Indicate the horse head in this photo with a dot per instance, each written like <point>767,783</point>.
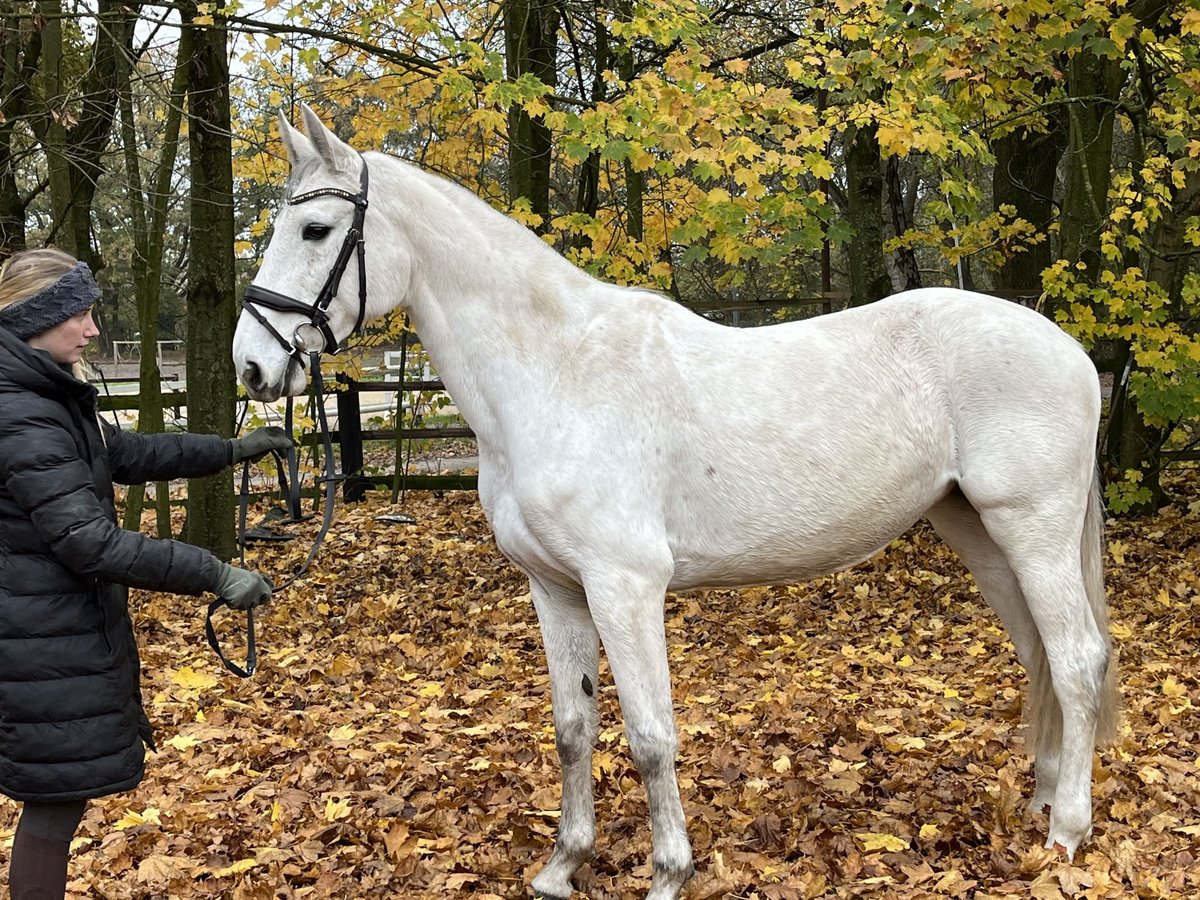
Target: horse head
<point>310,293</point>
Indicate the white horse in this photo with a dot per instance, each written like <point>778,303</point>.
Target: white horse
<point>628,447</point>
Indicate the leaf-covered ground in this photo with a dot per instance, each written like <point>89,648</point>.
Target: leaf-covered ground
<point>857,736</point>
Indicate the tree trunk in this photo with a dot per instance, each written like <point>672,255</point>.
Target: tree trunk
<point>1133,443</point>
<point>12,207</point>
<point>1094,86</point>
<point>635,181</point>
<point>20,52</point>
<point>587,198</point>
<point>148,216</point>
<point>89,137</point>
<point>54,131</point>
<point>74,130</point>
<point>869,279</point>
<point>530,46</point>
<point>210,294</point>
<point>1023,178</point>
<point>908,273</point>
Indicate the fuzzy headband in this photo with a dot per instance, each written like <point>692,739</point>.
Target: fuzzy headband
<point>70,295</point>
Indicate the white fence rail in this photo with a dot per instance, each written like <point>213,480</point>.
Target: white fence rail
<point>131,351</point>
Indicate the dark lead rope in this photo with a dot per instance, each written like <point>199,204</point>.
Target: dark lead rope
<point>292,491</point>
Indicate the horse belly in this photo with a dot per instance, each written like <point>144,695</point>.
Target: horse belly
<point>795,514</point>
<point>799,553</point>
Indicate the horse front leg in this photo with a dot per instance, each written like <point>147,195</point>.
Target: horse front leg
<point>628,611</point>
<point>572,653</point>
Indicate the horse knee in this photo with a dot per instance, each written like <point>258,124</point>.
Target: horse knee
<point>575,739</point>
<point>653,751</point>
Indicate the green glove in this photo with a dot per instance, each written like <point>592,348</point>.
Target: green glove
<point>260,442</point>
<point>242,588</point>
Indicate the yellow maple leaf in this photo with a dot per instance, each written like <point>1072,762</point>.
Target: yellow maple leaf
<point>132,819</point>
<point>336,809</point>
<point>1172,688</point>
<point>242,865</point>
<point>871,841</point>
<point>182,742</point>
<point>188,678</point>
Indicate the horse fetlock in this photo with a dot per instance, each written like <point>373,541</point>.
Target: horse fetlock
<point>554,881</point>
<point>669,880</point>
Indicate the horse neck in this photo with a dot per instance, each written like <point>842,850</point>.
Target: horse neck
<point>495,308</point>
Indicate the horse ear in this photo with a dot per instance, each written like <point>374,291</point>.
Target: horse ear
<point>294,141</point>
<point>335,153</point>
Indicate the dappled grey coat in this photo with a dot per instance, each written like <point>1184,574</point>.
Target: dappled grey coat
<point>71,719</point>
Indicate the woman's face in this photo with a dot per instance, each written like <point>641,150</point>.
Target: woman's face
<point>67,341</point>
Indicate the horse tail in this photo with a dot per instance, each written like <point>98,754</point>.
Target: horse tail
<point>1108,711</point>
<point>1045,715</point>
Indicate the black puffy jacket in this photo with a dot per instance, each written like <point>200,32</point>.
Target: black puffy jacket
<point>71,719</point>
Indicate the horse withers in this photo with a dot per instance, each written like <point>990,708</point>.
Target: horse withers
<point>628,447</point>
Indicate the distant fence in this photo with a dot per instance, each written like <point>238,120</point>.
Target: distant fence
<point>349,435</point>
<point>132,350</point>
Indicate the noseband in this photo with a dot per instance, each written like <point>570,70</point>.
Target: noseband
<point>317,312</point>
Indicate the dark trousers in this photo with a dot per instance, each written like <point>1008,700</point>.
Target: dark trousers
<point>41,847</point>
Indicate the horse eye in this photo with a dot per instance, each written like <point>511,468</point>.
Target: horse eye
<point>315,232</point>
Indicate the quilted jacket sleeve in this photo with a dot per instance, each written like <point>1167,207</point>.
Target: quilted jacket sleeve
<point>43,472</point>
<point>137,458</point>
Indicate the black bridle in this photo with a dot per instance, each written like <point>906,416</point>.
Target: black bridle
<point>317,314</point>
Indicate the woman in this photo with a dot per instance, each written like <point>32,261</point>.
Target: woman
<point>72,725</point>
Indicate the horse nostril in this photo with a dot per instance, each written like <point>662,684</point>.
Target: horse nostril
<point>252,376</point>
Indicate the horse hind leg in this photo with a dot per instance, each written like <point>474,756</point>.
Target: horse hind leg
<point>959,525</point>
<point>1051,541</point>
<point>572,654</point>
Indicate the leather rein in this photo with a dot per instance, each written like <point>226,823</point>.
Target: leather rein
<point>316,316</point>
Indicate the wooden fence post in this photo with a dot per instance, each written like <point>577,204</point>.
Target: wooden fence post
<point>349,412</point>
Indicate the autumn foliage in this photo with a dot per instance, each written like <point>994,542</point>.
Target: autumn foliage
<point>856,736</point>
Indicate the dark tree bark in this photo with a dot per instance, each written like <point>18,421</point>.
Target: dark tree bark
<point>20,61</point>
<point>898,221</point>
<point>869,279</point>
<point>1094,88</point>
<point>587,198</point>
<point>74,125</point>
<point>635,181</point>
<point>211,304</point>
<point>1133,443</point>
<point>530,46</point>
<point>148,217</point>
<point>1023,178</point>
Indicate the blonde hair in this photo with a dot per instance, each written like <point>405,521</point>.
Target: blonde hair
<point>29,271</point>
